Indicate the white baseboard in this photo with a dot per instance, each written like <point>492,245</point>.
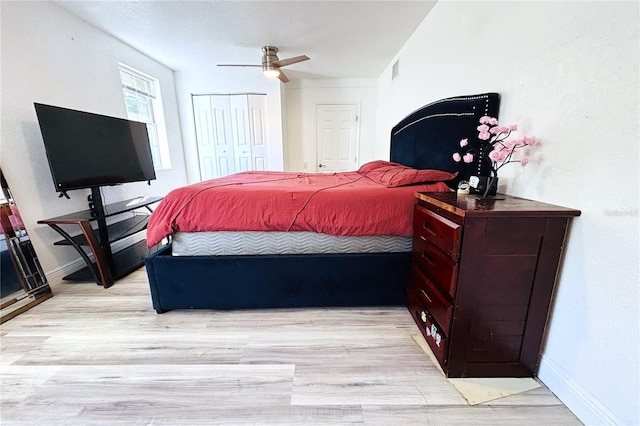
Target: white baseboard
<point>579,400</point>
<point>55,276</point>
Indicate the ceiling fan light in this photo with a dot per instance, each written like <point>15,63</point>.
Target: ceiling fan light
<point>270,71</point>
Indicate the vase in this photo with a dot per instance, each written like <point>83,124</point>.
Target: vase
<point>483,186</point>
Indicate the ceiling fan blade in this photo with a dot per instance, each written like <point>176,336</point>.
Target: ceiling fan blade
<point>283,78</point>
<point>238,65</point>
<point>289,61</point>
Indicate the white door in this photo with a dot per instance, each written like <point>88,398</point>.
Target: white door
<point>258,128</point>
<point>231,133</point>
<point>336,137</point>
<point>240,132</point>
<point>213,135</point>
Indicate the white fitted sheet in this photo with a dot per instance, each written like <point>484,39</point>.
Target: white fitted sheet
<point>259,243</point>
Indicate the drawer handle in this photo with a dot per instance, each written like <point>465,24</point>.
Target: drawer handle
<point>426,227</point>
<point>427,258</point>
<point>426,295</point>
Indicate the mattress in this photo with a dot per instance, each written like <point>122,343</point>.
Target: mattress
<point>260,243</point>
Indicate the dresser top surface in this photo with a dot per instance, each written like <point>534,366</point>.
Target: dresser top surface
<point>469,205</point>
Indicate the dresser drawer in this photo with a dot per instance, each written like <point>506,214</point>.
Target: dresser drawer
<point>442,232</point>
<point>439,267</point>
<point>437,340</point>
<point>438,305</point>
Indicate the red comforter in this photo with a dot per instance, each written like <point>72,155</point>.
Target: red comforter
<point>337,204</point>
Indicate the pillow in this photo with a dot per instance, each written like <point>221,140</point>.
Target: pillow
<point>367,167</point>
<point>395,175</point>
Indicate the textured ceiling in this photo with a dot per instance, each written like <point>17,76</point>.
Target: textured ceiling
<point>344,39</point>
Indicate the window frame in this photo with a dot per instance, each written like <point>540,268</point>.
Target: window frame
<point>154,115</point>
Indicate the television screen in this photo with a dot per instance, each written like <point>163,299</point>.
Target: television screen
<point>88,150</point>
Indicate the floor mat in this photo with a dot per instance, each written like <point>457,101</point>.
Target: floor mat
<point>478,390</point>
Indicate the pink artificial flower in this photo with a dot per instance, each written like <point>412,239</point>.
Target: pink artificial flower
<point>498,140</point>
<point>456,157</point>
<point>494,156</point>
<point>499,154</point>
<point>484,136</point>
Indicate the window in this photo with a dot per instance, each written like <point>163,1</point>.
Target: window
<point>142,98</point>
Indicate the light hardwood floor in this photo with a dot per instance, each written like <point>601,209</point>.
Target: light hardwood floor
<point>91,356</point>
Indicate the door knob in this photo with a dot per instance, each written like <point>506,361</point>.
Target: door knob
<point>322,165</point>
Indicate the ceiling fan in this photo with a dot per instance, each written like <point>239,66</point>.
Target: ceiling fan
<point>271,64</point>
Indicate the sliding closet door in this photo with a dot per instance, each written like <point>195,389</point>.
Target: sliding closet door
<point>240,132</point>
<point>258,127</point>
<point>212,117</point>
<point>231,133</point>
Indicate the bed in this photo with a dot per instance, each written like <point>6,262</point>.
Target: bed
<point>361,218</point>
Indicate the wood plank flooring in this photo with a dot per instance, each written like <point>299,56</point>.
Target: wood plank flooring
<point>94,356</point>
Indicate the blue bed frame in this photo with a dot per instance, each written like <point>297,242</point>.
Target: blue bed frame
<point>425,139</point>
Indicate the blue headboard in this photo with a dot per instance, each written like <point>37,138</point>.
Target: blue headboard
<point>428,137</point>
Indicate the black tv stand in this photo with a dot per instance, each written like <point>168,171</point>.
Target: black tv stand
<point>107,266</point>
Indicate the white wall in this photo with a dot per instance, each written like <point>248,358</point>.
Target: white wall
<point>50,56</point>
<point>225,81</point>
<point>568,73</point>
<point>301,100</point>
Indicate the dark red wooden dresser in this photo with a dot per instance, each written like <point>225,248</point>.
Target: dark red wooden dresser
<point>482,279</point>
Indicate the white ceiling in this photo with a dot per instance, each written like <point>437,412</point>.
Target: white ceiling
<point>344,39</point>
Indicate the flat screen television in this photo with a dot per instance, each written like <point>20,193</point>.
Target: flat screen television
<point>88,150</point>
